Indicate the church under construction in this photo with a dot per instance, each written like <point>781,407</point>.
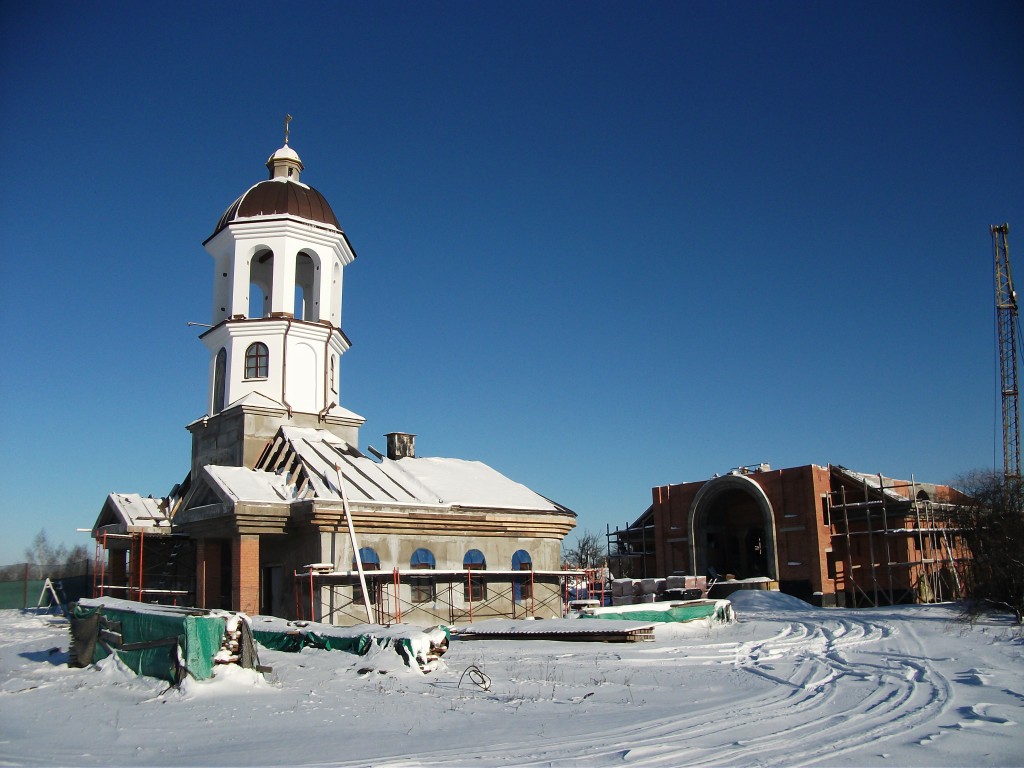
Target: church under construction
<point>267,517</point>
<point>826,534</point>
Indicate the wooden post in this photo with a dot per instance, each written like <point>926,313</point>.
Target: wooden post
<point>355,545</point>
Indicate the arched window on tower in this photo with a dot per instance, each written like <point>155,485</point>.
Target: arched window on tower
<point>305,270</point>
<point>220,369</point>
<point>334,374</point>
<point>257,361</point>
<point>261,278</point>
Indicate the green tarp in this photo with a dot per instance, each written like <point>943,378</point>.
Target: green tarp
<point>678,614</point>
<point>359,643</point>
<point>199,638</point>
<point>293,642</point>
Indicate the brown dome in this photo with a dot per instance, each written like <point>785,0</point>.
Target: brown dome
<point>276,197</point>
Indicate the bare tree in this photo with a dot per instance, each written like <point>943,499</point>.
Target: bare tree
<point>587,551</point>
<point>991,525</point>
<point>54,560</point>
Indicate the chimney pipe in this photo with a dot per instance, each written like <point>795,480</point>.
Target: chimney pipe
<point>401,445</point>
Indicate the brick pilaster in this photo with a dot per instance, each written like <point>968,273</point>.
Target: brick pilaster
<point>245,574</point>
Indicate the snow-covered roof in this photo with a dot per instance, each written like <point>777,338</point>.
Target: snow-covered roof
<point>242,484</point>
<point>303,463</point>
<point>124,512</point>
<point>873,482</point>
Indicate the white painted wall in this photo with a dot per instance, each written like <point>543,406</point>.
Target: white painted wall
<point>312,256</point>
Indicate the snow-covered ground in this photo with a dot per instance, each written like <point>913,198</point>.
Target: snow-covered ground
<point>787,684</point>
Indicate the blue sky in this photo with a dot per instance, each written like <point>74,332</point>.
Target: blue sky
<point>601,246</point>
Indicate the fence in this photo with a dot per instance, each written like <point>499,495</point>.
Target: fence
<point>19,587</point>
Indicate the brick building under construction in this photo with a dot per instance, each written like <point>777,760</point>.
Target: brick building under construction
<point>826,534</point>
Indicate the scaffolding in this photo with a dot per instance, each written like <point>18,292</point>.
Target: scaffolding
<point>456,596</point>
<point>630,550</point>
<point>156,567</point>
<point>914,551</point>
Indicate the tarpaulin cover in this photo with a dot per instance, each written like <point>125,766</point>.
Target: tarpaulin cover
<point>720,610</point>
<point>290,642</point>
<point>199,638</point>
<point>293,642</point>
<point>292,639</point>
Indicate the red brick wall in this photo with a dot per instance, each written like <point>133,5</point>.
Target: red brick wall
<point>245,574</point>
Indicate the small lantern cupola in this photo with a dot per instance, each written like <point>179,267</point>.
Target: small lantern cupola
<point>285,163</point>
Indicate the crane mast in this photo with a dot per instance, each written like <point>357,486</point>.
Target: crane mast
<point>1006,328</point>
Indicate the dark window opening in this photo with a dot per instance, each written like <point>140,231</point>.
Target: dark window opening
<point>220,380</point>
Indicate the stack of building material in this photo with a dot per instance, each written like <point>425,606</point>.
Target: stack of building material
<point>565,630</point>
<point>640,591</point>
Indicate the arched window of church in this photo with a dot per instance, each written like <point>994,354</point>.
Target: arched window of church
<point>371,562</point>
<point>220,370</point>
<point>475,588</point>
<point>522,585</point>
<point>257,361</point>
<point>422,587</point>
<point>334,374</point>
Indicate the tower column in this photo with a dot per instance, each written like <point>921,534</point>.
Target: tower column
<point>238,273</point>
<point>282,295</point>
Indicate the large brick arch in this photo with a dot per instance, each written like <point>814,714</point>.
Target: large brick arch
<point>702,504</point>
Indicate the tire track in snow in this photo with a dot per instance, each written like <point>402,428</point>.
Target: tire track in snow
<point>821,704</point>
<point>903,691</point>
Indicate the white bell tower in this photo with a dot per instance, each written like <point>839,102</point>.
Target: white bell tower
<point>276,342</point>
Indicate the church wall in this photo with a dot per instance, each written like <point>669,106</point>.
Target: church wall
<point>237,437</point>
<point>395,551</point>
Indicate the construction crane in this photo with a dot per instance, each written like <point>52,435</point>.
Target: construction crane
<point>1007,330</point>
